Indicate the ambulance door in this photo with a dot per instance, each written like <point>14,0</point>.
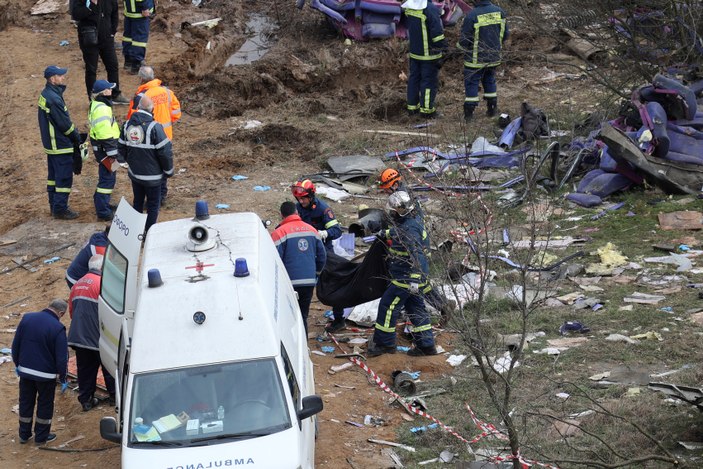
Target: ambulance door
<point>119,287</point>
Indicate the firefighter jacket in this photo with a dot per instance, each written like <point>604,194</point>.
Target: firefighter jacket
<point>425,33</point>
<point>407,259</point>
<point>301,250</point>
<point>83,308</point>
<point>134,8</point>
<point>39,348</point>
<point>145,147</point>
<point>104,131</point>
<point>104,15</point>
<point>167,108</point>
<point>79,265</point>
<point>320,216</point>
<point>482,35</point>
<point>58,134</point>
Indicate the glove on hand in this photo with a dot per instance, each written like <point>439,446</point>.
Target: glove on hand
<point>64,386</point>
<point>77,160</point>
<point>414,288</point>
<point>323,235</point>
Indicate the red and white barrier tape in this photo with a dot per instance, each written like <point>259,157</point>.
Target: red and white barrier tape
<point>487,429</point>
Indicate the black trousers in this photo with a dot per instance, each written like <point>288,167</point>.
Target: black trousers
<point>105,50</point>
<point>41,392</point>
<point>88,362</point>
<point>304,299</point>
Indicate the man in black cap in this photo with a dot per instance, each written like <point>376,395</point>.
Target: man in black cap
<point>61,142</point>
<point>97,25</point>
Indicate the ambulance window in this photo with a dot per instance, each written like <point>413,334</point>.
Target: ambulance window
<point>113,280</point>
<point>290,377</point>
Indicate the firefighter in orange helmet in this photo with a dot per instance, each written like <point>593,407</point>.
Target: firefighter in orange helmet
<point>390,180</point>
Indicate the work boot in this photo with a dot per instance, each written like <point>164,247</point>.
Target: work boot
<point>24,441</point>
<point>51,437</point>
<point>134,69</point>
<point>374,350</point>
<point>492,110</point>
<point>106,217</point>
<point>120,99</point>
<point>469,112</point>
<point>422,351</point>
<point>336,326</point>
<point>93,402</point>
<point>68,214</point>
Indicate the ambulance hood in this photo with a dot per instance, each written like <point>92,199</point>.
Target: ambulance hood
<point>250,453</point>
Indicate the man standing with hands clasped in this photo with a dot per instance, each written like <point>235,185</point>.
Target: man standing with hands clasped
<point>40,354</point>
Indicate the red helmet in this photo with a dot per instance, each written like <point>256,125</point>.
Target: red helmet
<point>303,189</point>
<point>389,177</point>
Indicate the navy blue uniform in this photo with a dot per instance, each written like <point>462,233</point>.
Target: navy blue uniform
<point>79,264</point>
<point>136,31</point>
<point>482,35</point>
<point>407,265</point>
<point>320,216</point>
<point>146,148</point>
<point>59,137</point>
<point>426,47</point>
<point>40,352</point>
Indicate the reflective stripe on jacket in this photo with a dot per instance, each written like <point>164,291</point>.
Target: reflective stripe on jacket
<point>167,108</point>
<point>144,145</point>
<point>58,134</point>
<point>425,33</point>
<point>79,265</point>
<point>301,250</point>
<point>134,8</point>
<point>104,131</point>
<point>83,308</point>
<point>407,260</point>
<point>39,349</point>
<point>482,35</point>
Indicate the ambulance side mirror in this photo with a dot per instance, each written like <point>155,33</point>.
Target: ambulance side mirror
<point>108,430</point>
<point>311,405</point>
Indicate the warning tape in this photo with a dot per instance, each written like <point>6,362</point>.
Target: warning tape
<point>487,429</point>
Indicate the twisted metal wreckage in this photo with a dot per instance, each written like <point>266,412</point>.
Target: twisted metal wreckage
<point>377,19</point>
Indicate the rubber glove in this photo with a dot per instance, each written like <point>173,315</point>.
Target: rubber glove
<point>323,235</point>
<point>64,386</point>
<point>414,288</point>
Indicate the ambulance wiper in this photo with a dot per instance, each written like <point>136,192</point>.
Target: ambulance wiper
<point>159,443</point>
<point>234,436</point>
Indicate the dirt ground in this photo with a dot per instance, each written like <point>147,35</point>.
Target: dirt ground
<point>314,95</point>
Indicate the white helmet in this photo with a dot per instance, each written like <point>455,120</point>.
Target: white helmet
<point>400,202</point>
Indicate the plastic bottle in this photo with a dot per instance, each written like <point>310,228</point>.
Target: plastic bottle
<point>139,426</point>
<point>220,413</point>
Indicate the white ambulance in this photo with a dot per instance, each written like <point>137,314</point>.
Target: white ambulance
<point>207,345</point>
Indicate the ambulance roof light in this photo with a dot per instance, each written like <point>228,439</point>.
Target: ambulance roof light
<point>201,210</point>
<point>154,278</point>
<point>240,267</point>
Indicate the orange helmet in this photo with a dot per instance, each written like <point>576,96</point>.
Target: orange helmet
<point>389,177</point>
<point>303,189</point>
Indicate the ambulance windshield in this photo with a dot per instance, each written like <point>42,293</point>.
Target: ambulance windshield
<point>213,403</point>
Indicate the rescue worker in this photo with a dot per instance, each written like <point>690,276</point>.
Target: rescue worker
<point>391,182</point>
<point>167,108</point>
<point>40,354</point>
<point>79,265</point>
<point>144,146</point>
<point>482,35</point>
<point>61,142</point>
<point>137,17</point>
<point>426,54</point>
<point>104,132</point>
<point>84,335</point>
<point>315,212</point>
<point>97,25</point>
<point>303,254</point>
<point>408,269</point>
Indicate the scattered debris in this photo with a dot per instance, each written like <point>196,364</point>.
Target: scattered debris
<point>390,443</point>
<point>644,298</point>
<point>684,220</point>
